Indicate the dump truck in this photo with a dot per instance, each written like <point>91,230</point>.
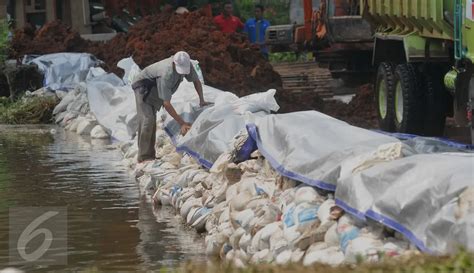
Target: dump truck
<point>424,53</point>
<point>333,30</point>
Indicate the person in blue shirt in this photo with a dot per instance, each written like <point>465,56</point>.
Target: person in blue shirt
<point>255,29</point>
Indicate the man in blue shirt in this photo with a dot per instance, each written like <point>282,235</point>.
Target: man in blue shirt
<point>255,29</point>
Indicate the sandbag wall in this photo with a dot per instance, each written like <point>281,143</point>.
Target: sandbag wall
<point>301,187</point>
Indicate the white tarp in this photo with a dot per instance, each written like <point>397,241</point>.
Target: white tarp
<point>113,104</point>
<point>310,147</point>
<point>418,196</point>
<point>215,127</point>
<point>63,71</point>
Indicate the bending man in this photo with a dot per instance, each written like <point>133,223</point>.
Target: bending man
<point>153,88</point>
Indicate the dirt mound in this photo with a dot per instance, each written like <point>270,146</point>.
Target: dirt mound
<point>359,112</point>
<point>51,38</point>
<point>228,61</point>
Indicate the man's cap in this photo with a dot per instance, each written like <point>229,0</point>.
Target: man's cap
<point>182,62</point>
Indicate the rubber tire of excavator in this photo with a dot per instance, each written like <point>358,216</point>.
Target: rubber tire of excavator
<point>413,100</point>
<point>385,77</point>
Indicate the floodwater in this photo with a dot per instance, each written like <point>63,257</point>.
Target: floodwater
<point>110,225</point>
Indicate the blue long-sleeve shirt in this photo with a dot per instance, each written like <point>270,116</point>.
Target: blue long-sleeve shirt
<point>255,30</point>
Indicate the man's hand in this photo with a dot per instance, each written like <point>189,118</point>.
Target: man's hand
<point>185,128</point>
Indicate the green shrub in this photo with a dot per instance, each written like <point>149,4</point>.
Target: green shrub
<point>31,110</point>
<point>4,43</point>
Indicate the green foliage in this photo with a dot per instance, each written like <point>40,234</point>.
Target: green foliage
<point>31,110</point>
<point>276,11</point>
<point>288,57</point>
<point>462,262</point>
<point>4,43</point>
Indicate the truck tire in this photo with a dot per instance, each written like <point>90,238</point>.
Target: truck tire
<point>408,100</point>
<point>384,94</point>
<point>436,103</point>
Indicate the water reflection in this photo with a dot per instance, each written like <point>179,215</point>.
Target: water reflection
<point>110,225</point>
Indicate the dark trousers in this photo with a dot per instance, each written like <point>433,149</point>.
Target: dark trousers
<point>146,114</point>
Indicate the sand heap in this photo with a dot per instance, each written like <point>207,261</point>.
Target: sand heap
<point>228,61</point>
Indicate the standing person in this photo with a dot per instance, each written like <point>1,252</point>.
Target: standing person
<point>226,21</point>
<point>256,28</point>
<point>153,88</point>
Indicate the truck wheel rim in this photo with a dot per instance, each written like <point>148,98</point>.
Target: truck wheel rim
<point>399,103</point>
<point>382,99</point>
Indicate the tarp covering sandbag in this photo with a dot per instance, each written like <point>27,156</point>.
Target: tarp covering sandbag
<point>427,197</point>
<point>310,147</point>
<point>112,100</point>
<point>63,71</point>
<point>112,103</point>
<point>213,131</point>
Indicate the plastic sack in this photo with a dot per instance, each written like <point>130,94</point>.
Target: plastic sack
<point>321,253</point>
<point>99,132</point>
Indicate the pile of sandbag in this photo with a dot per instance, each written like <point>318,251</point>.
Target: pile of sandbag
<point>251,214</point>
<point>73,113</point>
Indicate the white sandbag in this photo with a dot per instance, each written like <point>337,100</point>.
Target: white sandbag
<point>347,231</point>
<point>164,197</point>
<point>324,211</point>
<point>231,192</point>
<point>99,132</point>
<point>263,256</point>
<point>278,242</point>
<point>60,117</point>
<point>211,223</point>
<point>85,127</point>
<point>266,214</point>
<point>69,117</point>
<point>200,223</point>
<point>188,205</point>
<point>321,253</point>
<point>198,178</point>
<point>285,198</point>
<point>226,229</point>
<point>240,201</point>
<point>256,102</point>
<point>307,195</point>
<point>74,124</point>
<point>269,230</point>
<point>297,255</point>
<point>245,241</point>
<point>224,216</point>
<point>242,218</point>
<point>366,248</point>
<point>261,240</point>
<point>394,247</point>
<point>62,106</point>
<point>284,257</point>
<point>217,194</point>
<point>187,194</point>
<point>306,215</point>
<point>186,177</point>
<point>331,238</point>
<point>257,202</point>
<point>248,184</point>
<point>192,212</point>
<point>214,243</point>
<point>234,239</point>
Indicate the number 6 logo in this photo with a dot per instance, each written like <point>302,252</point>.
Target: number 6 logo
<point>31,232</point>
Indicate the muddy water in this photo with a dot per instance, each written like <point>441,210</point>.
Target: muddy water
<point>111,227</point>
